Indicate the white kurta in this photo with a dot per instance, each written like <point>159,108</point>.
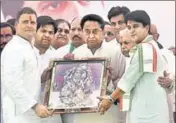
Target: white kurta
<point>61,52</point>
<point>148,98</point>
<point>116,58</point>
<point>20,82</point>
<point>43,63</point>
<point>170,58</point>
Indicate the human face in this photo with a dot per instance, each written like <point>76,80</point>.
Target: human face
<point>62,35</point>
<point>154,32</point>
<point>119,23</point>
<point>126,42</point>
<point>76,34</point>
<point>26,26</point>
<point>44,36</point>
<point>109,33</point>
<point>137,30</point>
<point>6,35</point>
<point>93,34</point>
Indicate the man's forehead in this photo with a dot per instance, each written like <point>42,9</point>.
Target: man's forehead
<point>63,25</point>
<point>132,22</point>
<point>6,30</point>
<point>77,21</point>
<point>48,27</point>
<point>117,18</point>
<point>30,17</point>
<point>91,25</point>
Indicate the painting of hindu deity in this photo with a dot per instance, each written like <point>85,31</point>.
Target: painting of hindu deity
<point>75,85</point>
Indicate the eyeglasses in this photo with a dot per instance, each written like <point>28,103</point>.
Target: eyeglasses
<point>60,30</point>
<point>7,36</point>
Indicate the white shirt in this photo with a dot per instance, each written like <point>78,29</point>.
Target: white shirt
<point>61,52</point>
<point>118,63</point>
<point>44,60</point>
<point>20,82</point>
<point>109,51</point>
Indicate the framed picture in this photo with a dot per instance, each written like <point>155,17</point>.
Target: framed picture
<point>73,85</point>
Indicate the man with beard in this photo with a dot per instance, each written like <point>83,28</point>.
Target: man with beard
<point>20,79</point>
<point>7,32</point>
<point>61,37</point>
<point>76,36</point>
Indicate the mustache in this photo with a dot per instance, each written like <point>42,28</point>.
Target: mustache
<point>4,43</point>
<point>76,36</point>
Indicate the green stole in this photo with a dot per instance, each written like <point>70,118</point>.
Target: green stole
<point>140,52</point>
<point>71,48</point>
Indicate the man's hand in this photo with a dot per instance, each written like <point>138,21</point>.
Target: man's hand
<point>42,111</point>
<point>69,56</point>
<point>104,104</point>
<point>164,80</point>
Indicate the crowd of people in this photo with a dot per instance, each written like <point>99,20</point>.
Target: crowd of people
<point>142,71</point>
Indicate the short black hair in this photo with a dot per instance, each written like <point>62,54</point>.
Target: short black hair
<point>59,21</point>
<point>106,23</point>
<point>93,17</point>
<point>115,11</point>
<point>11,21</point>
<point>4,24</point>
<point>25,10</point>
<point>139,16</point>
<point>159,45</point>
<point>46,20</point>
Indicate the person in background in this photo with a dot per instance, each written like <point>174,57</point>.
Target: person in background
<point>76,37</point>
<point>7,32</point>
<point>109,32</point>
<point>61,37</point>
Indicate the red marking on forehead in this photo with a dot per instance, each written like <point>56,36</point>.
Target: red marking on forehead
<point>30,18</point>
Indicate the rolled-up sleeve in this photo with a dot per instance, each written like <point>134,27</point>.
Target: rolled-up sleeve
<point>13,81</point>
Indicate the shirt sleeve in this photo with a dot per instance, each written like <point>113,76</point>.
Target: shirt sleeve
<point>119,68</point>
<point>12,67</point>
<point>131,75</point>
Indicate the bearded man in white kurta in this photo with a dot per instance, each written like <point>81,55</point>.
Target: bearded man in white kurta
<point>148,98</point>
<point>20,79</point>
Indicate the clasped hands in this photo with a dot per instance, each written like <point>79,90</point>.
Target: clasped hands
<point>104,104</point>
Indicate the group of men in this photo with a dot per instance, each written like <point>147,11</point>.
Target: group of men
<point>139,69</point>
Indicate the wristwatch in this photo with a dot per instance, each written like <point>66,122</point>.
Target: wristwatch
<point>111,99</point>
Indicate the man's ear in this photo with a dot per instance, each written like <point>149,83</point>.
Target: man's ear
<point>148,28</point>
<point>16,24</point>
